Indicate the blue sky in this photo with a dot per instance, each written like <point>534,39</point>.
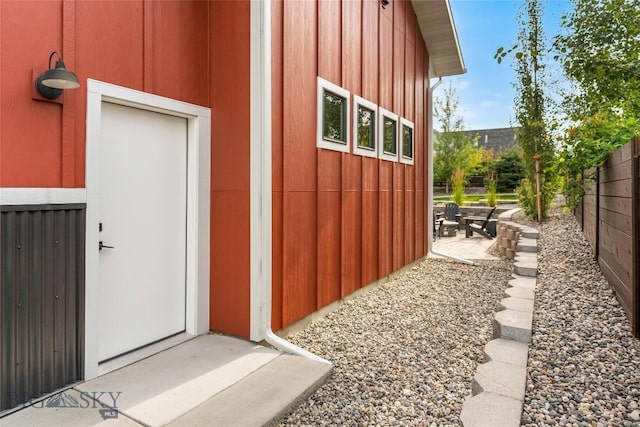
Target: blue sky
<point>486,92</point>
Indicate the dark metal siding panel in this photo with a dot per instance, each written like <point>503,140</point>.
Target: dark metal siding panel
<point>41,300</point>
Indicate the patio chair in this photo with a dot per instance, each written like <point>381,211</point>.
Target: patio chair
<point>486,229</point>
<point>452,213</point>
<point>437,226</point>
<point>451,220</point>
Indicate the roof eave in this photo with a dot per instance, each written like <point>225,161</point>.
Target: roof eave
<point>441,39</point>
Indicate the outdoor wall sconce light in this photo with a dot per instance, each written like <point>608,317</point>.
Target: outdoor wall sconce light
<point>51,84</point>
<point>384,3</point>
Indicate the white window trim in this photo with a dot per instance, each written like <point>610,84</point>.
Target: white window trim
<point>358,101</point>
<point>198,205</point>
<point>320,141</point>
<point>403,158</point>
<point>381,153</point>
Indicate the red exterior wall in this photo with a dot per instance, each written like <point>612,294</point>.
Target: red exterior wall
<point>230,240</point>
<point>341,221</point>
<point>169,48</point>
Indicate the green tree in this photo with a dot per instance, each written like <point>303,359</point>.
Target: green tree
<point>600,53</point>
<point>508,168</point>
<point>454,148</point>
<point>530,106</point>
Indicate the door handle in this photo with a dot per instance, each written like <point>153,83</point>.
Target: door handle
<point>101,245</point>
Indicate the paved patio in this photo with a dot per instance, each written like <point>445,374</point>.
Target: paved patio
<point>472,248</point>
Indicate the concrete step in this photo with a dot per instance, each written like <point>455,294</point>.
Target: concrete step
<point>209,380</point>
<point>517,304</point>
<point>523,282</point>
<point>513,325</point>
<point>529,233</point>
<point>507,351</point>
<point>526,268</point>
<point>500,378</point>
<point>262,397</point>
<point>526,256</point>
<point>491,410</point>
<point>527,245</point>
<point>520,292</point>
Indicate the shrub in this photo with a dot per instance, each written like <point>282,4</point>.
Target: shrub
<point>457,182</point>
<point>491,182</point>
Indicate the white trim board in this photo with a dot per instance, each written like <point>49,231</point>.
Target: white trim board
<point>42,196</point>
<point>260,165</point>
<point>198,205</point>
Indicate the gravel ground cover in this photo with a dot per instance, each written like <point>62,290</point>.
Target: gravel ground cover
<point>404,352</point>
<point>584,364</point>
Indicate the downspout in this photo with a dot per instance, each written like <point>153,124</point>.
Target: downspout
<point>430,181</point>
<point>261,191</point>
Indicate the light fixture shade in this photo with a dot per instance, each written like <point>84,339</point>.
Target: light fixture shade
<point>51,84</point>
<point>60,78</point>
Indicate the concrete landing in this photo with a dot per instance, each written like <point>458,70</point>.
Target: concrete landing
<point>263,396</point>
<point>206,378</point>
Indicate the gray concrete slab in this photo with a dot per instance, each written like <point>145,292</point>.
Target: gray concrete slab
<point>526,268</point>
<point>262,397</point>
<point>513,325</point>
<point>491,410</point>
<point>520,292</point>
<point>507,351</point>
<point>210,380</point>
<point>500,378</point>
<point>527,245</point>
<point>79,410</point>
<point>517,304</point>
<point>529,233</point>
<point>159,389</point>
<point>526,256</point>
<point>523,282</point>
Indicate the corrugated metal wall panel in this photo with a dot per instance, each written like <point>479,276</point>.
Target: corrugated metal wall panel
<point>41,300</point>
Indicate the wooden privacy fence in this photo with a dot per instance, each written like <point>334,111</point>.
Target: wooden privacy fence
<point>609,215</point>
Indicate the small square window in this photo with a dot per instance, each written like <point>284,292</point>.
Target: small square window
<point>388,134</point>
<point>407,141</point>
<point>364,129</point>
<point>333,117</point>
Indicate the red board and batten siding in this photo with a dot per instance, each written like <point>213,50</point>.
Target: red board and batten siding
<point>342,221</point>
<point>339,221</point>
<point>230,167</point>
<point>170,49</point>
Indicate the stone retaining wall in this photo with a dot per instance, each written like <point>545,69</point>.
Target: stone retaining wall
<point>508,233</point>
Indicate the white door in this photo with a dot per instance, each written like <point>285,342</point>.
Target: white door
<point>142,214</point>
